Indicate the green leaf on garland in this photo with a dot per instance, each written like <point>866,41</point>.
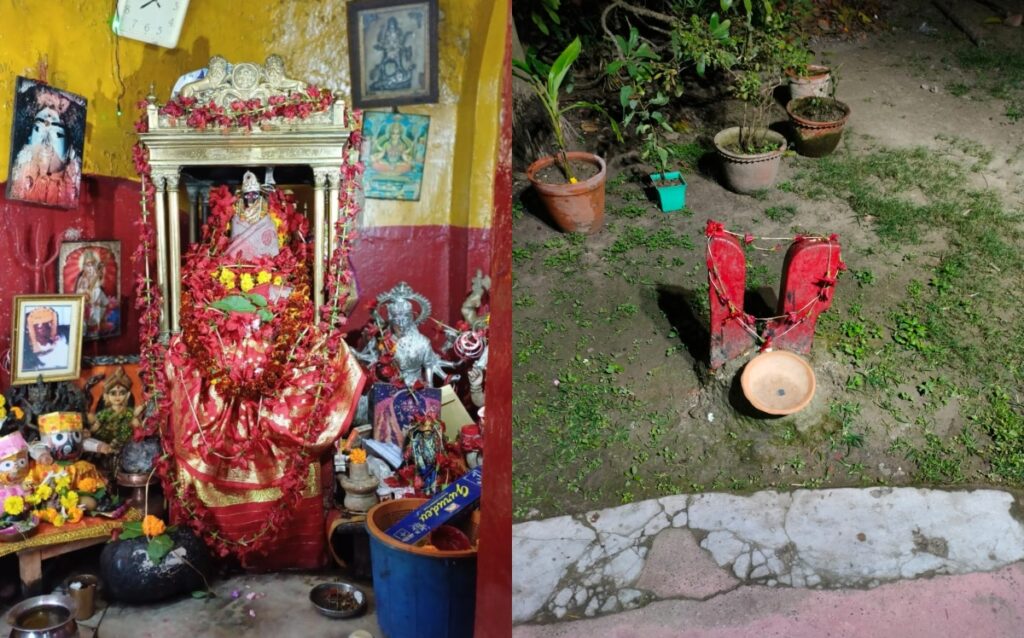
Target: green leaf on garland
<point>234,303</point>
<point>158,548</point>
<point>131,530</point>
<point>265,315</point>
<point>257,300</point>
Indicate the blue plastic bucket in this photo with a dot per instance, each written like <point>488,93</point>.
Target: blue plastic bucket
<point>670,198</point>
<point>420,592</point>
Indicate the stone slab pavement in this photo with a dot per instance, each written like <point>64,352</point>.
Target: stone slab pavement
<point>843,562</point>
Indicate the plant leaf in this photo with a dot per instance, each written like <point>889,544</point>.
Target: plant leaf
<point>560,67</point>
<point>234,303</point>
<point>158,548</point>
<point>624,94</point>
<point>265,315</point>
<point>257,300</point>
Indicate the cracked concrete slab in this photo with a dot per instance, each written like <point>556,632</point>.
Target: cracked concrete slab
<point>574,567</point>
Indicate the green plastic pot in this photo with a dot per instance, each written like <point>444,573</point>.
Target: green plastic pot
<point>670,197</point>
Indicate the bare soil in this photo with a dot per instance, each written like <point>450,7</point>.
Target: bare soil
<point>612,398</point>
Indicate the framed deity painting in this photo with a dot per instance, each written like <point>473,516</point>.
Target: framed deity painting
<point>393,52</point>
<point>93,269</point>
<point>394,150</point>
<point>47,139</point>
<point>47,338</point>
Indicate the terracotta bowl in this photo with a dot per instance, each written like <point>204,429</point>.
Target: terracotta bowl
<point>778,382</point>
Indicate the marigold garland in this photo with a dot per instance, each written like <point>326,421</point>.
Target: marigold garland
<point>339,281</point>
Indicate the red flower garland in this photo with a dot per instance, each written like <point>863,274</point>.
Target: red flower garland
<point>188,507</point>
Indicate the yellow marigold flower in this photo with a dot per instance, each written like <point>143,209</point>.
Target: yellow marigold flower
<point>277,221</point>
<point>44,492</point>
<point>227,278</point>
<point>247,282</point>
<point>69,501</point>
<point>59,520</point>
<point>573,180</point>
<point>277,280</point>
<point>32,499</point>
<point>263,277</point>
<point>75,515</point>
<point>3,413</point>
<point>3,400</point>
<point>62,483</point>
<point>17,412</point>
<point>14,505</point>
<point>87,485</point>
<point>152,526</point>
<point>358,456</point>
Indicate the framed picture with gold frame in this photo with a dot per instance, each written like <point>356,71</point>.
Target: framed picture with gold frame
<point>46,339</point>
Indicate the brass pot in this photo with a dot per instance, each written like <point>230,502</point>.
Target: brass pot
<point>49,616</point>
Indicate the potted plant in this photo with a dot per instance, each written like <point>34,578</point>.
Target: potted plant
<point>671,189</point>
<point>808,80</point>
<point>751,153</point>
<point>570,183</point>
<point>817,124</point>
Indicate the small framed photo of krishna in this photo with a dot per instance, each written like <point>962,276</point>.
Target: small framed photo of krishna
<point>47,338</point>
<point>93,269</point>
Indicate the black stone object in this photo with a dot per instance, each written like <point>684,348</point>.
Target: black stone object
<point>137,456</point>
<point>130,577</point>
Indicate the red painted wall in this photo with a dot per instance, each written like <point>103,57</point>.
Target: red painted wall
<point>106,209</point>
<point>437,261</point>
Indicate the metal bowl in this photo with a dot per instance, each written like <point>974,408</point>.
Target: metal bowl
<point>321,595</point>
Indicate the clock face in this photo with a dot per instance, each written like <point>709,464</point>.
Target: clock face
<point>154,21</point>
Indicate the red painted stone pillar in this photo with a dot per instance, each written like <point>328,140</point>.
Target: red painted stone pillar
<point>727,280</point>
<point>808,283</point>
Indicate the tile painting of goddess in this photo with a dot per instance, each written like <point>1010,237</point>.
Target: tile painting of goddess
<point>394,150</point>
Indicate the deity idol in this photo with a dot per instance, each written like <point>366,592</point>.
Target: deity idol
<point>59,447</point>
<point>14,466</point>
<point>47,169</point>
<point>115,420</point>
<point>258,388</point>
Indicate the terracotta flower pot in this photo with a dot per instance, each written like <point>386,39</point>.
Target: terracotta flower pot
<point>576,208</point>
<point>749,173</point>
<point>814,138</point>
<point>817,82</point>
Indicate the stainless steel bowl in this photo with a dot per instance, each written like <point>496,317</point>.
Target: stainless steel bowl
<point>321,596</point>
<point>48,616</point>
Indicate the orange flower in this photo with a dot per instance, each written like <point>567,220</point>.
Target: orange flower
<point>87,485</point>
<point>75,515</point>
<point>152,526</point>
<point>18,413</point>
<point>358,456</point>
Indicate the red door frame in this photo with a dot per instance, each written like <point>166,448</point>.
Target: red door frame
<point>494,561</point>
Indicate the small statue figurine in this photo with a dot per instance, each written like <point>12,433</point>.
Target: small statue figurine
<point>273,74</point>
<point>424,442</point>
<point>216,74</point>
<point>61,444</point>
<point>253,232</point>
<point>115,419</point>
<point>414,354</point>
<point>14,466</point>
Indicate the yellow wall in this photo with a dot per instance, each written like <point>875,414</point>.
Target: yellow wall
<point>82,54</point>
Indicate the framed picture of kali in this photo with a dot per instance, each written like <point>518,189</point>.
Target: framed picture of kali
<point>93,269</point>
<point>47,137</point>
<point>47,338</point>
<point>393,52</point>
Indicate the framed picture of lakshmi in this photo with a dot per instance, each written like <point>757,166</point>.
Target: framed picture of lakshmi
<point>93,269</point>
<point>393,52</point>
<point>46,338</point>
<point>394,150</point>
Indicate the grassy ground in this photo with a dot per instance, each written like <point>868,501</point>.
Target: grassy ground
<point>919,361</point>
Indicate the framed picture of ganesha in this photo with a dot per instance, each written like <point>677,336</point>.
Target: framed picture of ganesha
<point>47,338</point>
<point>93,269</point>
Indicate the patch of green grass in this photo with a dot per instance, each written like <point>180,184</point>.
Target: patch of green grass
<point>958,89</point>
<point>780,213</point>
<point>628,211</point>
<point>636,237</point>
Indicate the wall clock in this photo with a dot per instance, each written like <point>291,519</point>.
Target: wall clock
<point>153,21</point>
